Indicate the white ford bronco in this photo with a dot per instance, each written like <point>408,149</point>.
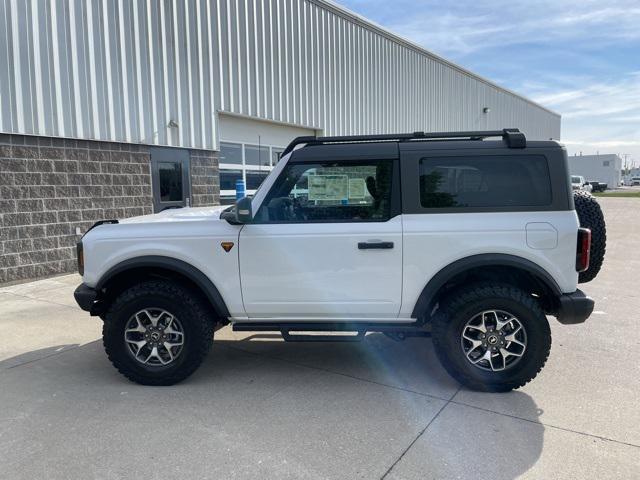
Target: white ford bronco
<point>469,240</point>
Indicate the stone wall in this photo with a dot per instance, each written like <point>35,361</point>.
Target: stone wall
<point>205,178</point>
<point>50,187</point>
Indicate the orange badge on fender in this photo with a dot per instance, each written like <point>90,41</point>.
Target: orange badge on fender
<point>227,246</point>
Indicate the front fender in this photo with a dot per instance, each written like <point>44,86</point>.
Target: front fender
<point>197,244</point>
<point>167,263</point>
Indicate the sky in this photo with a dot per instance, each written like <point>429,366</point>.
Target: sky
<point>580,58</point>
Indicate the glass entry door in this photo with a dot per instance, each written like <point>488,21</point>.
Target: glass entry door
<point>170,178</point>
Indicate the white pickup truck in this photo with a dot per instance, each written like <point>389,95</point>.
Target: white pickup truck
<point>579,183</point>
<point>469,240</point>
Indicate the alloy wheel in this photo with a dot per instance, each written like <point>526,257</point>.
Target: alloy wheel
<point>154,337</point>
<point>493,340</point>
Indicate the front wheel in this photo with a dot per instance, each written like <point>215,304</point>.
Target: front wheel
<point>491,337</point>
<point>157,333</point>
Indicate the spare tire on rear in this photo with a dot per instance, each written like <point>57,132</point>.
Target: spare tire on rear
<point>591,217</point>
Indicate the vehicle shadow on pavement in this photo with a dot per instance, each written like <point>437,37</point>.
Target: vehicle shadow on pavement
<point>328,408</point>
<point>509,444</point>
<point>409,365</point>
<point>35,355</point>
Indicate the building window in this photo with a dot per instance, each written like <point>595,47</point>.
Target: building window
<point>276,153</point>
<point>251,163</point>
<point>170,179</point>
<point>230,153</point>
<point>605,163</point>
<point>228,179</point>
<point>254,179</point>
<point>256,156</point>
<point>170,176</point>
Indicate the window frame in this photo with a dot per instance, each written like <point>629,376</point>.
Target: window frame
<point>160,155</point>
<point>395,206</point>
<point>410,174</point>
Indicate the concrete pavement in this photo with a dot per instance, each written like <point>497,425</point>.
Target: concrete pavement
<point>262,408</point>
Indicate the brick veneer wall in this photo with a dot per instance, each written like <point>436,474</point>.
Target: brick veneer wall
<point>205,178</point>
<point>48,187</point>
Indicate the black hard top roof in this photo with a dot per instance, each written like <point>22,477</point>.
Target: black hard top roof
<point>386,146</point>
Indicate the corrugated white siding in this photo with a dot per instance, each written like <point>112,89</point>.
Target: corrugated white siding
<point>121,70</point>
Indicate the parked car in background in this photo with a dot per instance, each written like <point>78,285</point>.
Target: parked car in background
<point>579,183</point>
<point>635,181</point>
<point>598,186</point>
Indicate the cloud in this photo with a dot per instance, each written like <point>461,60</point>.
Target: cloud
<point>598,114</point>
<point>470,26</point>
<point>613,100</point>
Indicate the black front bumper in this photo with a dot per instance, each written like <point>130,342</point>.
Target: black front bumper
<point>86,297</point>
<point>574,307</point>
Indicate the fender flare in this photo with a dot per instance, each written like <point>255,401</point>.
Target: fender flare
<point>168,263</point>
<point>429,292</point>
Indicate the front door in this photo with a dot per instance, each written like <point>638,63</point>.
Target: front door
<point>326,244</point>
<point>170,178</point>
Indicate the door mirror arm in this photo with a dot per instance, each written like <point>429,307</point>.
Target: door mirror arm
<point>230,216</point>
<point>240,214</point>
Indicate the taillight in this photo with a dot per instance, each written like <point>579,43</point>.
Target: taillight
<point>80,253</point>
<point>584,247</point>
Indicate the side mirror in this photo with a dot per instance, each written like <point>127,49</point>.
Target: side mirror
<point>243,210</point>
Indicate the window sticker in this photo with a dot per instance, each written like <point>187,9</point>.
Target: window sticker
<point>357,188</point>
<point>328,187</point>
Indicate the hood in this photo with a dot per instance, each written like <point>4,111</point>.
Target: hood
<point>180,215</point>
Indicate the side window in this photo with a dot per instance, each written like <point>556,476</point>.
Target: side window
<point>485,181</point>
<point>330,192</point>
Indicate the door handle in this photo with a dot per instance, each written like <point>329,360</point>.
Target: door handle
<point>372,245</point>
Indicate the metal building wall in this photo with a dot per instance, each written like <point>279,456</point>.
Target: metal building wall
<point>121,70</point>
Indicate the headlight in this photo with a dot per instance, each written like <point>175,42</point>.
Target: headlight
<point>80,254</point>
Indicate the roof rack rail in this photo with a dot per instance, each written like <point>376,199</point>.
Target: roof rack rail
<point>512,136</point>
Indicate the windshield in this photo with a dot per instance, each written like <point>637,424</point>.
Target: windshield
<point>575,179</point>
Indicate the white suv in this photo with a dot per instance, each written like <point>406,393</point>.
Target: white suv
<point>471,241</point>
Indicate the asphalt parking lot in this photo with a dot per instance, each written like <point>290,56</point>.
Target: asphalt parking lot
<point>263,408</point>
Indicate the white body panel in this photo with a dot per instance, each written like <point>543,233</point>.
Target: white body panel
<point>315,271</point>
<point>433,241</point>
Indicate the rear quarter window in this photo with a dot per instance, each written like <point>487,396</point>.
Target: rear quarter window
<point>485,181</point>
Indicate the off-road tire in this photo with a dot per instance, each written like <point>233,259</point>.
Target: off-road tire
<point>591,217</point>
<point>451,317</point>
<point>196,320</point>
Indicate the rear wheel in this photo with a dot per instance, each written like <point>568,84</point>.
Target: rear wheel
<point>157,333</point>
<point>491,337</point>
